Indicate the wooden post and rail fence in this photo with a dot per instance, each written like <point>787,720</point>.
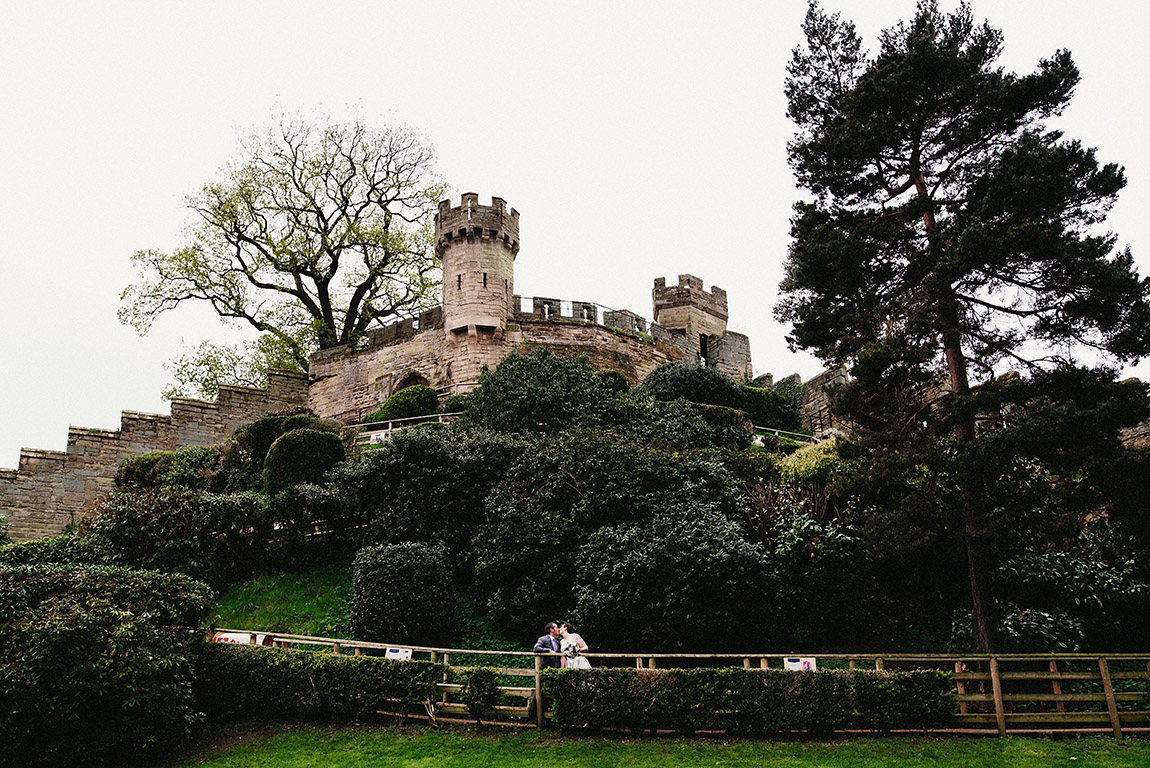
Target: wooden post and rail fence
<point>1001,693</point>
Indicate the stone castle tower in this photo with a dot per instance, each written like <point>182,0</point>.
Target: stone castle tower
<point>476,245</point>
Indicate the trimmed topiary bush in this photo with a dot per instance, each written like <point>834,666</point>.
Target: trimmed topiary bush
<point>403,593</point>
<point>693,382</point>
<point>96,668</point>
<point>243,455</point>
<point>301,456</point>
<point>409,402</point>
<point>427,486</point>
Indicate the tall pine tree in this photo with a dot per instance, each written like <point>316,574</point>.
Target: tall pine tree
<point>949,235</point>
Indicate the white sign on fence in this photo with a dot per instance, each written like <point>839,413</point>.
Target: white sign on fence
<point>801,664</point>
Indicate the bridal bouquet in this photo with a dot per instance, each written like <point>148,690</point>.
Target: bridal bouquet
<point>571,652</point>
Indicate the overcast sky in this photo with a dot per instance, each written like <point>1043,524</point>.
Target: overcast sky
<point>637,140</point>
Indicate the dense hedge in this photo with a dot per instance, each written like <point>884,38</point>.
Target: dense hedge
<point>409,402</point>
<point>95,663</point>
<point>748,702</point>
<point>213,537</point>
<point>241,681</point>
<point>301,456</point>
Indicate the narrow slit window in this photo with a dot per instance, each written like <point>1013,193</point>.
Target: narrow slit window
<point>484,279</point>
<point>459,281</point>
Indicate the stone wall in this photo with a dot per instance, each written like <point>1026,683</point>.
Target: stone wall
<point>815,410</point>
<point>347,383</point>
<point>50,489</point>
<point>1137,437</point>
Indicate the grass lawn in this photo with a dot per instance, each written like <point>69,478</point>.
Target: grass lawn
<point>292,746</point>
<point>312,602</point>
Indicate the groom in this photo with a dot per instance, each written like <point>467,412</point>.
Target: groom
<point>549,643</point>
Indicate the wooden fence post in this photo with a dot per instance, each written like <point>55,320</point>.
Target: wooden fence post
<point>446,673</point>
<point>958,667</point>
<point>1111,703</point>
<point>1056,685</point>
<point>763,663</point>
<point>539,692</point>
<point>996,686</point>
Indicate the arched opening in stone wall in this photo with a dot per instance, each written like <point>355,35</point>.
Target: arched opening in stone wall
<point>411,379</point>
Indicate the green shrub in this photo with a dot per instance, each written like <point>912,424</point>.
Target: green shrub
<point>193,467</point>
<point>242,681</point>
<point>403,593</point>
<point>243,455</point>
<point>685,580</point>
<point>730,427</point>
<point>813,465</point>
<point>694,382</point>
<point>480,692</point>
<point>53,550</point>
<point>314,523</point>
<point>143,471</point>
<point>427,486</point>
<point>409,402</point>
<point>213,537</point>
<point>614,381</point>
<point>95,667</point>
<point>748,702</point>
<point>455,403</point>
<point>769,408</point>
<point>567,488</point>
<point>301,456</point>
<point>538,391</point>
<point>4,537</point>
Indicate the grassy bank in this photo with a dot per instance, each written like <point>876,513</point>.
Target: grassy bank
<point>248,746</point>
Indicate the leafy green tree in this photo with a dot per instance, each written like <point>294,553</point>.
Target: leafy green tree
<point>949,232</point>
<point>199,372</point>
<point>317,232</point>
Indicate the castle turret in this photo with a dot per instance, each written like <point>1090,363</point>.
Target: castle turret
<point>688,309</point>
<point>476,245</point>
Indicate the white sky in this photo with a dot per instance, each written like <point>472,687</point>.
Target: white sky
<point>637,140</point>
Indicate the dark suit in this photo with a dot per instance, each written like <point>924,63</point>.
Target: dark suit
<point>548,644</point>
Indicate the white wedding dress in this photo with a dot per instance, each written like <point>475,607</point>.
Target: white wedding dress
<point>569,643</point>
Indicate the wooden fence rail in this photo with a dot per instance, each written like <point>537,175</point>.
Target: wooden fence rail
<point>1005,692</point>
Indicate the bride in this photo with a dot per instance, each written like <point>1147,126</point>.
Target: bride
<point>571,645</point>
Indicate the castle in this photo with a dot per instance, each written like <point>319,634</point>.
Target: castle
<point>480,321</point>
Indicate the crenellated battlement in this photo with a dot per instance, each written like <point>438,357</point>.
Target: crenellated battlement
<point>472,220</point>
<point>50,488</point>
<point>687,308</point>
